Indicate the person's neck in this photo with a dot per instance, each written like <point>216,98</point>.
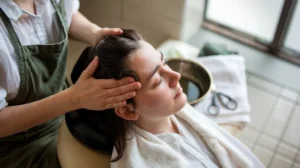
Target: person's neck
<point>26,5</point>
<point>159,126</point>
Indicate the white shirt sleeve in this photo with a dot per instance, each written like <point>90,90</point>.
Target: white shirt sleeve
<point>9,74</point>
<point>9,79</point>
<point>3,102</point>
<point>3,92</point>
<point>71,7</point>
<point>76,6</point>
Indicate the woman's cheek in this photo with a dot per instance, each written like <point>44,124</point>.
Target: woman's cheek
<point>157,98</point>
<point>162,98</point>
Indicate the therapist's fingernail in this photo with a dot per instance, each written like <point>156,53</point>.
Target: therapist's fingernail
<point>138,85</point>
<point>131,80</point>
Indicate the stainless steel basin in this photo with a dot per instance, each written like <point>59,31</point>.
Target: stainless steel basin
<point>195,80</point>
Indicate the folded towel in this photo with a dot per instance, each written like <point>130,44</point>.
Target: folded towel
<point>215,49</point>
<point>229,77</point>
<point>143,149</point>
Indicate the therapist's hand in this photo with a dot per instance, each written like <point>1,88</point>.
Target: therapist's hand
<point>100,33</point>
<point>100,94</point>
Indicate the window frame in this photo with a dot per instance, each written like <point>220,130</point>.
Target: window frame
<point>275,48</point>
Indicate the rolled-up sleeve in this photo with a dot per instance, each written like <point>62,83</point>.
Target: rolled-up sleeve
<point>71,7</point>
<point>75,6</point>
<point>3,92</point>
<point>3,102</point>
<point>9,77</point>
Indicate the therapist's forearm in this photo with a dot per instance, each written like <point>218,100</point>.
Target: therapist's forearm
<point>82,29</point>
<point>14,119</point>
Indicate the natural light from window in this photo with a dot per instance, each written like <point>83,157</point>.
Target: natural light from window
<point>292,40</point>
<point>255,17</point>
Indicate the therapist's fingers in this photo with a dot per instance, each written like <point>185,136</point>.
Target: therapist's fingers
<point>120,90</point>
<point>111,31</point>
<point>89,71</point>
<point>120,98</point>
<point>112,83</point>
<point>114,105</point>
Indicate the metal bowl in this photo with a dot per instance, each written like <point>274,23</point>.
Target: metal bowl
<point>195,80</point>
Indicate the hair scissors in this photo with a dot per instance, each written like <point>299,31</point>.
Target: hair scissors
<point>225,100</point>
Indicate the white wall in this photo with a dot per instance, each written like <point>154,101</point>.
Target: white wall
<point>156,20</point>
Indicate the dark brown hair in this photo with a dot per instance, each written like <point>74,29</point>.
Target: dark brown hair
<point>113,53</point>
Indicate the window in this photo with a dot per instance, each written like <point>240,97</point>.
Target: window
<point>270,25</point>
<point>292,40</point>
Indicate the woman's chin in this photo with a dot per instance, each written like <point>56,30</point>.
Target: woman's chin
<point>184,98</point>
<point>181,101</point>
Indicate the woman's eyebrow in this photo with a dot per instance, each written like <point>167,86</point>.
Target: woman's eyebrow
<point>156,68</point>
<point>162,56</point>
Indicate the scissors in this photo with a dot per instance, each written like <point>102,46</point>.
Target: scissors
<point>225,100</point>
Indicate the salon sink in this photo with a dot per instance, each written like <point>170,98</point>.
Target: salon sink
<point>196,80</point>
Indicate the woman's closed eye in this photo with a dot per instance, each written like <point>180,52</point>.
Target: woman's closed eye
<point>161,76</point>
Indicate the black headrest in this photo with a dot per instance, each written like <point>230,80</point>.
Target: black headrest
<point>82,62</point>
<point>83,130</point>
<point>87,133</point>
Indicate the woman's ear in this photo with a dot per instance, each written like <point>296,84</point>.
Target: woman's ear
<point>127,112</point>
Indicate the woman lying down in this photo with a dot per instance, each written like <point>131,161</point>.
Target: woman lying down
<point>157,128</point>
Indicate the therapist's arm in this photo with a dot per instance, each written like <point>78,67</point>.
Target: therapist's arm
<point>83,30</point>
<point>14,119</point>
<point>87,93</point>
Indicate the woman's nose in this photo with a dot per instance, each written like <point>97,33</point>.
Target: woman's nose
<point>173,77</point>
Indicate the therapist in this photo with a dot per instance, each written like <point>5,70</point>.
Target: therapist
<point>34,93</point>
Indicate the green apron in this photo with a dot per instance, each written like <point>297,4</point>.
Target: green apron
<point>42,71</point>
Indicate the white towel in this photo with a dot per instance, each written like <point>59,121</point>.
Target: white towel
<point>143,149</point>
<point>229,77</point>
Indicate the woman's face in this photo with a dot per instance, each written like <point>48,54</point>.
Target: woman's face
<point>160,94</point>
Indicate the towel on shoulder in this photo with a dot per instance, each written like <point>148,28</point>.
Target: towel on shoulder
<point>144,149</point>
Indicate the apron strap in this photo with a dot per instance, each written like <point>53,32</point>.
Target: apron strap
<point>12,34</point>
<point>61,14</point>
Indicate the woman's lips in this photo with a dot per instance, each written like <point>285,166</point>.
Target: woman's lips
<point>179,92</point>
